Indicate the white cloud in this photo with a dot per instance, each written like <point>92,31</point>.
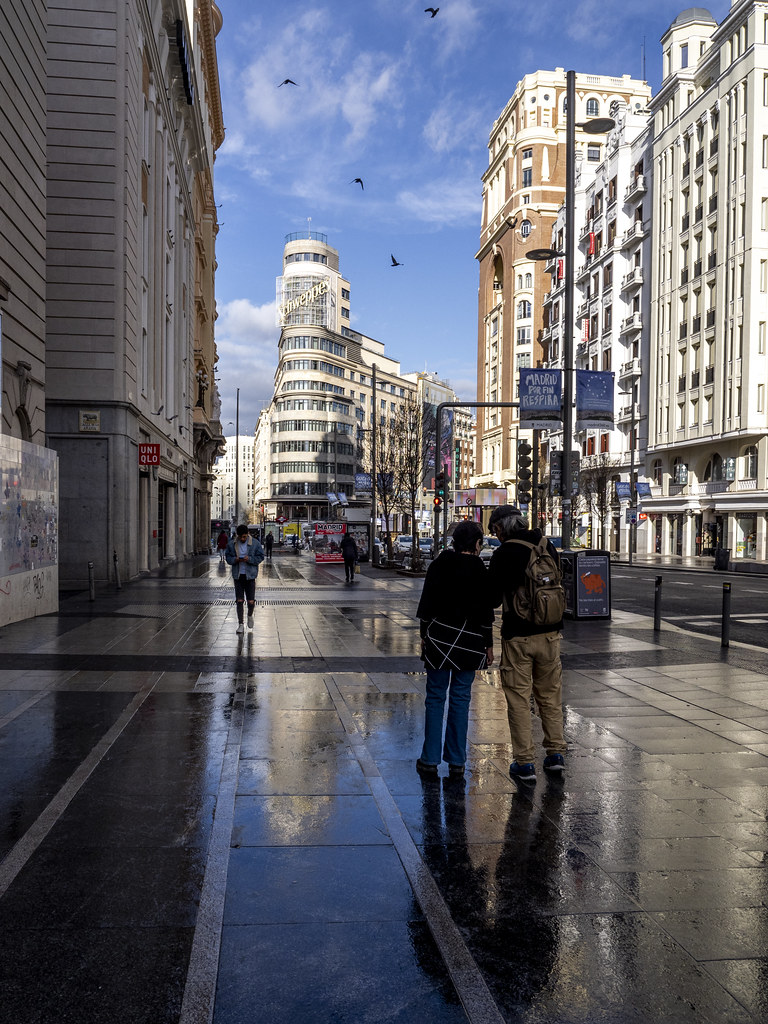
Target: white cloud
<point>459,26</point>
<point>452,126</point>
<point>447,202</point>
<point>246,342</point>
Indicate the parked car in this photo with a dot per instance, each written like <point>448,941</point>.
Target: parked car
<point>489,546</point>
<point>425,545</point>
<point>402,544</point>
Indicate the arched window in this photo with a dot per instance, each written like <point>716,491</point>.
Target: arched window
<point>529,280</point>
<point>714,470</point>
<point>657,472</point>
<point>593,108</point>
<point>750,462</point>
<point>519,280</point>
<point>679,471</point>
<point>525,228</point>
<point>523,310</point>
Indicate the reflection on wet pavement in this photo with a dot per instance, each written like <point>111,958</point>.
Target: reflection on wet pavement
<point>193,769</point>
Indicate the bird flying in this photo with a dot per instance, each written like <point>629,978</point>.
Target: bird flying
<point>287,81</point>
<point>358,181</point>
<point>431,10</point>
<point>394,261</point>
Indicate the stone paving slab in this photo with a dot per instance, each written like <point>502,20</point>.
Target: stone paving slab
<point>196,826</point>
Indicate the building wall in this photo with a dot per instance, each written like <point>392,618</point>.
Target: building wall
<point>708,422</point>
<point>127,151</point>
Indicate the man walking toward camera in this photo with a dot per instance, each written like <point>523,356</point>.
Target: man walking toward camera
<point>244,554</point>
<point>524,577</point>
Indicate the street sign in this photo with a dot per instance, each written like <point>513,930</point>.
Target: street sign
<point>281,519</point>
<point>468,501</point>
<point>631,516</point>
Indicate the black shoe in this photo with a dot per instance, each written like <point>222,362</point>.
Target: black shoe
<point>456,771</point>
<point>425,769</point>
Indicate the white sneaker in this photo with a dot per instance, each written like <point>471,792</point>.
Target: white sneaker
<point>240,628</point>
<point>250,622</point>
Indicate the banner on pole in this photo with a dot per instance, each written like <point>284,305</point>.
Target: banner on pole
<point>594,400</point>
<point>541,399</point>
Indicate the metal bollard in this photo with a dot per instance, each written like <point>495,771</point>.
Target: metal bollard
<point>91,583</point>
<point>118,584</point>
<point>725,628</point>
<point>657,604</point>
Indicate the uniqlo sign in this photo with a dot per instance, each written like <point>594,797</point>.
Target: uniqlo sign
<point>149,454</point>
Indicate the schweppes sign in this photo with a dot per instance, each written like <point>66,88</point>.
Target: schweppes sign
<point>305,299</point>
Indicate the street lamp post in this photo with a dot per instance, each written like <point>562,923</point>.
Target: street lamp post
<point>596,126</point>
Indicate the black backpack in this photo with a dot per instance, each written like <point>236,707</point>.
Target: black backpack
<point>541,598</point>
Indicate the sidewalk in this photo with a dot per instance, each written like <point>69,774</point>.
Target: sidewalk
<point>198,826</point>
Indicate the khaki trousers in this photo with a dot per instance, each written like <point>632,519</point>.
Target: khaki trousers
<point>531,664</point>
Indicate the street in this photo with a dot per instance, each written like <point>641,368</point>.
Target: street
<point>694,599</point>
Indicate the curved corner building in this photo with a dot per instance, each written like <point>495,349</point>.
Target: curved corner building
<point>314,419</point>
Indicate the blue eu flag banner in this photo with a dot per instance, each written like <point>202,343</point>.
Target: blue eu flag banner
<point>594,400</point>
<point>541,399</point>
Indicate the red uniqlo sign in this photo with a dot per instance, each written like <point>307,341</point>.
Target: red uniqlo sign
<point>149,454</point>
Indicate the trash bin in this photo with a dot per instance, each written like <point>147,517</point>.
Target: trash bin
<point>722,559</point>
<point>587,583</point>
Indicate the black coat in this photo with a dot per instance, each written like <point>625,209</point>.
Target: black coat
<point>348,546</point>
<point>506,574</point>
<point>456,612</point>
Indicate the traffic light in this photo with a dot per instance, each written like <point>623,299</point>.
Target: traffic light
<point>440,486</point>
<point>523,473</point>
<point>438,502</point>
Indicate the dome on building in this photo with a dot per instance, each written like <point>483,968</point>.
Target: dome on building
<point>693,14</point>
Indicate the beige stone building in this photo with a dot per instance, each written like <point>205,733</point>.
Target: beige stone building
<point>523,188</point>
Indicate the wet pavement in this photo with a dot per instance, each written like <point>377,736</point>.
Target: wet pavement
<point>196,826</point>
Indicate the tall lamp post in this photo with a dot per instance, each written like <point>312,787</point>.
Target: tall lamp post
<point>596,126</point>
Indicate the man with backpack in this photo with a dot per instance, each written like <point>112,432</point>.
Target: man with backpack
<point>524,577</point>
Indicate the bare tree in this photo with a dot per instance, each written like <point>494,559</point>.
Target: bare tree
<point>596,487</point>
<point>387,469</point>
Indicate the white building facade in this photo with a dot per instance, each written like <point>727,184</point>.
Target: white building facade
<point>708,418</point>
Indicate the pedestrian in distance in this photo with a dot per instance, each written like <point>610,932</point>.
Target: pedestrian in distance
<point>221,545</point>
<point>244,554</point>
<point>349,551</point>
<point>532,619</point>
<point>456,622</point>
<point>268,542</point>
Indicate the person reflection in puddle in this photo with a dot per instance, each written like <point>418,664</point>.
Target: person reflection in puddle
<point>456,639</point>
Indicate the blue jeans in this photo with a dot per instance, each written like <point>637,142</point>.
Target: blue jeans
<point>454,750</point>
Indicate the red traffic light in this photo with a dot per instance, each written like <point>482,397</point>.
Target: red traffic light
<point>437,502</point>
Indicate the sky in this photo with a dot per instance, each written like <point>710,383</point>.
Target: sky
<point>405,101</point>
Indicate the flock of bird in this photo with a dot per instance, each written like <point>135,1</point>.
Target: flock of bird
<point>432,12</point>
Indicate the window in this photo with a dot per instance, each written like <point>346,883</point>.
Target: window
<point>684,55</point>
<point>527,154</point>
<point>750,461</point>
<point>593,108</point>
<point>523,310</point>
<point>529,280</point>
<point>527,177</point>
<point>524,335</point>
<point>765,151</point>
<point>523,360</point>
<point>593,154</point>
<point>761,337</point>
<point>657,473</point>
<point>525,228</point>
<point>763,275</point>
<point>761,397</point>
<point>345,312</point>
<point>679,471</point>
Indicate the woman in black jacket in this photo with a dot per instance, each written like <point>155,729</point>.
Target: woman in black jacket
<point>456,639</point>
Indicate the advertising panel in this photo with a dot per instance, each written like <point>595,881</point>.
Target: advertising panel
<point>328,541</point>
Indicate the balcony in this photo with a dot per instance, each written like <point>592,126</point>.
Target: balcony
<point>709,375</point>
<point>683,329</point>
<point>698,213</point>
<point>634,322</point>
<point>681,385</point>
<point>712,204</point>
<point>710,318</point>
<point>695,379</point>
<point>696,324</point>
<point>582,311</point>
<point>712,261</point>
<point>636,188</point>
<point>699,158</point>
<point>635,234</point>
<point>633,279</point>
<point>713,146</point>
<point>684,276</point>
<point>586,230</point>
<point>686,168</point>
<point>630,369</point>
<point>686,222</point>
<point>697,268</point>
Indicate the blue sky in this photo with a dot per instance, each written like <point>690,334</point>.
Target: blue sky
<point>404,101</point>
